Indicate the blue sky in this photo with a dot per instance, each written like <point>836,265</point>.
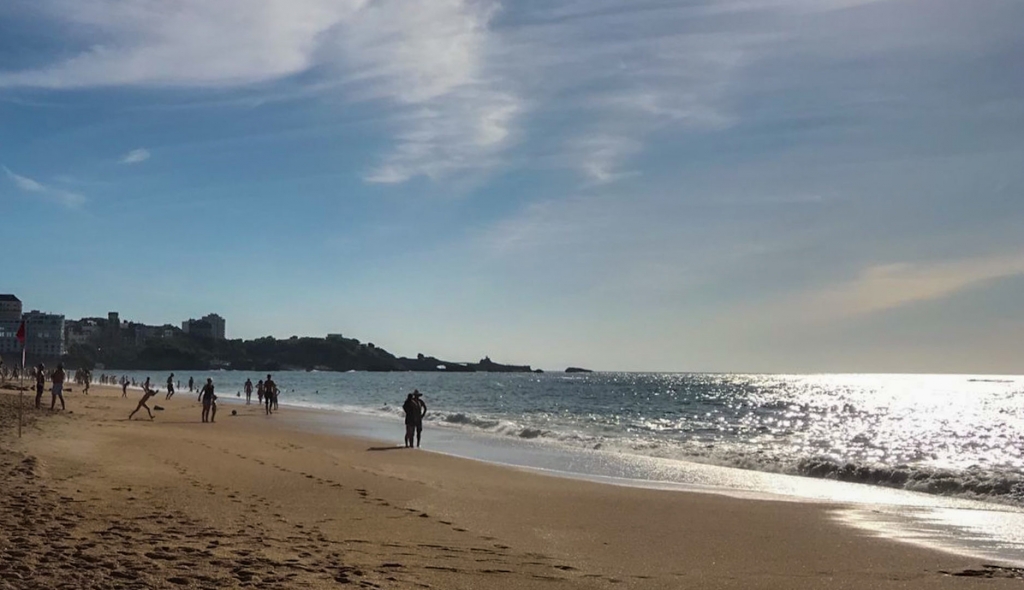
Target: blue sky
<point>749,185</point>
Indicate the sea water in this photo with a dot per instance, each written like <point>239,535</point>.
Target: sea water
<point>939,457</point>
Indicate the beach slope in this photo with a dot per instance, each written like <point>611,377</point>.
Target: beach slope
<point>91,500</point>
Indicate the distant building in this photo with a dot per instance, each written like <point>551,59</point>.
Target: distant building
<point>200,328</point>
<point>10,321</point>
<point>210,326</point>
<point>84,331</point>
<point>44,334</point>
<point>113,327</point>
<point>10,308</point>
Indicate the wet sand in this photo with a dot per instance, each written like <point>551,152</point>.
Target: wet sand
<point>91,500</point>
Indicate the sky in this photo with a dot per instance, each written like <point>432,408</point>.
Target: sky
<point>689,185</point>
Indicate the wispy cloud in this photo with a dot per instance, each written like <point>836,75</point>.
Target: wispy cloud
<point>883,287</point>
<point>429,63</point>
<point>29,185</point>
<point>135,156</point>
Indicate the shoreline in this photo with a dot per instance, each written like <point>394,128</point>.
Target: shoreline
<point>308,503</point>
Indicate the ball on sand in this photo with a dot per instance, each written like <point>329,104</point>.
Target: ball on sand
<point>234,412</point>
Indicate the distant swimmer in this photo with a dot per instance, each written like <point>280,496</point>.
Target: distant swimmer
<point>170,386</point>
<point>269,394</point>
<point>248,391</point>
<point>58,387</point>
<point>147,393</point>
<point>209,402</point>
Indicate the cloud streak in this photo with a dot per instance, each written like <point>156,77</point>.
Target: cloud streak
<point>135,156</point>
<point>34,187</point>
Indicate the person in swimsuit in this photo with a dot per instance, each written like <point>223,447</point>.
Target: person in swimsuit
<point>259,392</point>
<point>58,387</point>
<point>248,391</point>
<point>124,386</point>
<point>209,402</point>
<point>146,394</point>
<point>170,386</point>
<point>190,385</point>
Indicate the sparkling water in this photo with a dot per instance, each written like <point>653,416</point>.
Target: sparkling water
<point>951,435</point>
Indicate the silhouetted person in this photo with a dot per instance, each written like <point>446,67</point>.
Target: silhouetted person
<point>58,387</point>
<point>248,391</point>
<point>423,414</point>
<point>190,385</point>
<point>209,402</point>
<point>269,394</point>
<point>146,394</point>
<point>170,386</point>
<point>40,384</point>
<point>412,410</point>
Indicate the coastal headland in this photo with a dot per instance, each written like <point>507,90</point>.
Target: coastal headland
<point>92,500</point>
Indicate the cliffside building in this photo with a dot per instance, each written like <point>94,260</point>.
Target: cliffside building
<point>209,326</point>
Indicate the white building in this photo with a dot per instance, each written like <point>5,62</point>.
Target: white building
<point>44,334</point>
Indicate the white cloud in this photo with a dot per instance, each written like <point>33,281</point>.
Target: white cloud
<point>136,156</point>
<point>427,62</point>
<point>28,185</point>
<point>600,157</point>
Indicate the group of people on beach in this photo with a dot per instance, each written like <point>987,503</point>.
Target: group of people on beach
<point>267,391</point>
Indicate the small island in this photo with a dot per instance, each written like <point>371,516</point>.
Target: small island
<point>577,370</point>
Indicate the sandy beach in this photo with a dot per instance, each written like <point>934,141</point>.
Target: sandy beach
<point>91,500</point>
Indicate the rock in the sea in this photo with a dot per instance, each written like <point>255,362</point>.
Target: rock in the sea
<point>577,370</point>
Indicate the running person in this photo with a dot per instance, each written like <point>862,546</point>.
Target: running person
<point>248,391</point>
<point>170,386</point>
<point>146,394</point>
<point>209,402</point>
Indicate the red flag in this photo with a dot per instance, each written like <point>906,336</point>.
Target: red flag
<point>21,333</point>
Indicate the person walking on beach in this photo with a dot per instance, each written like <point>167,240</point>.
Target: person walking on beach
<point>248,391</point>
<point>124,386</point>
<point>209,402</point>
<point>146,394</point>
<point>269,394</point>
<point>190,385</point>
<point>412,408</point>
<point>58,387</point>
<point>259,392</point>
<point>40,383</point>
<point>170,386</point>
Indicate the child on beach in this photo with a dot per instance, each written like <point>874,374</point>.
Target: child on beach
<point>146,394</point>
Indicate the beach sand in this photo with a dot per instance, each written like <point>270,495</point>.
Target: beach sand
<point>90,500</point>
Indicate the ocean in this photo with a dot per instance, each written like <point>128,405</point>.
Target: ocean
<point>957,438</point>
